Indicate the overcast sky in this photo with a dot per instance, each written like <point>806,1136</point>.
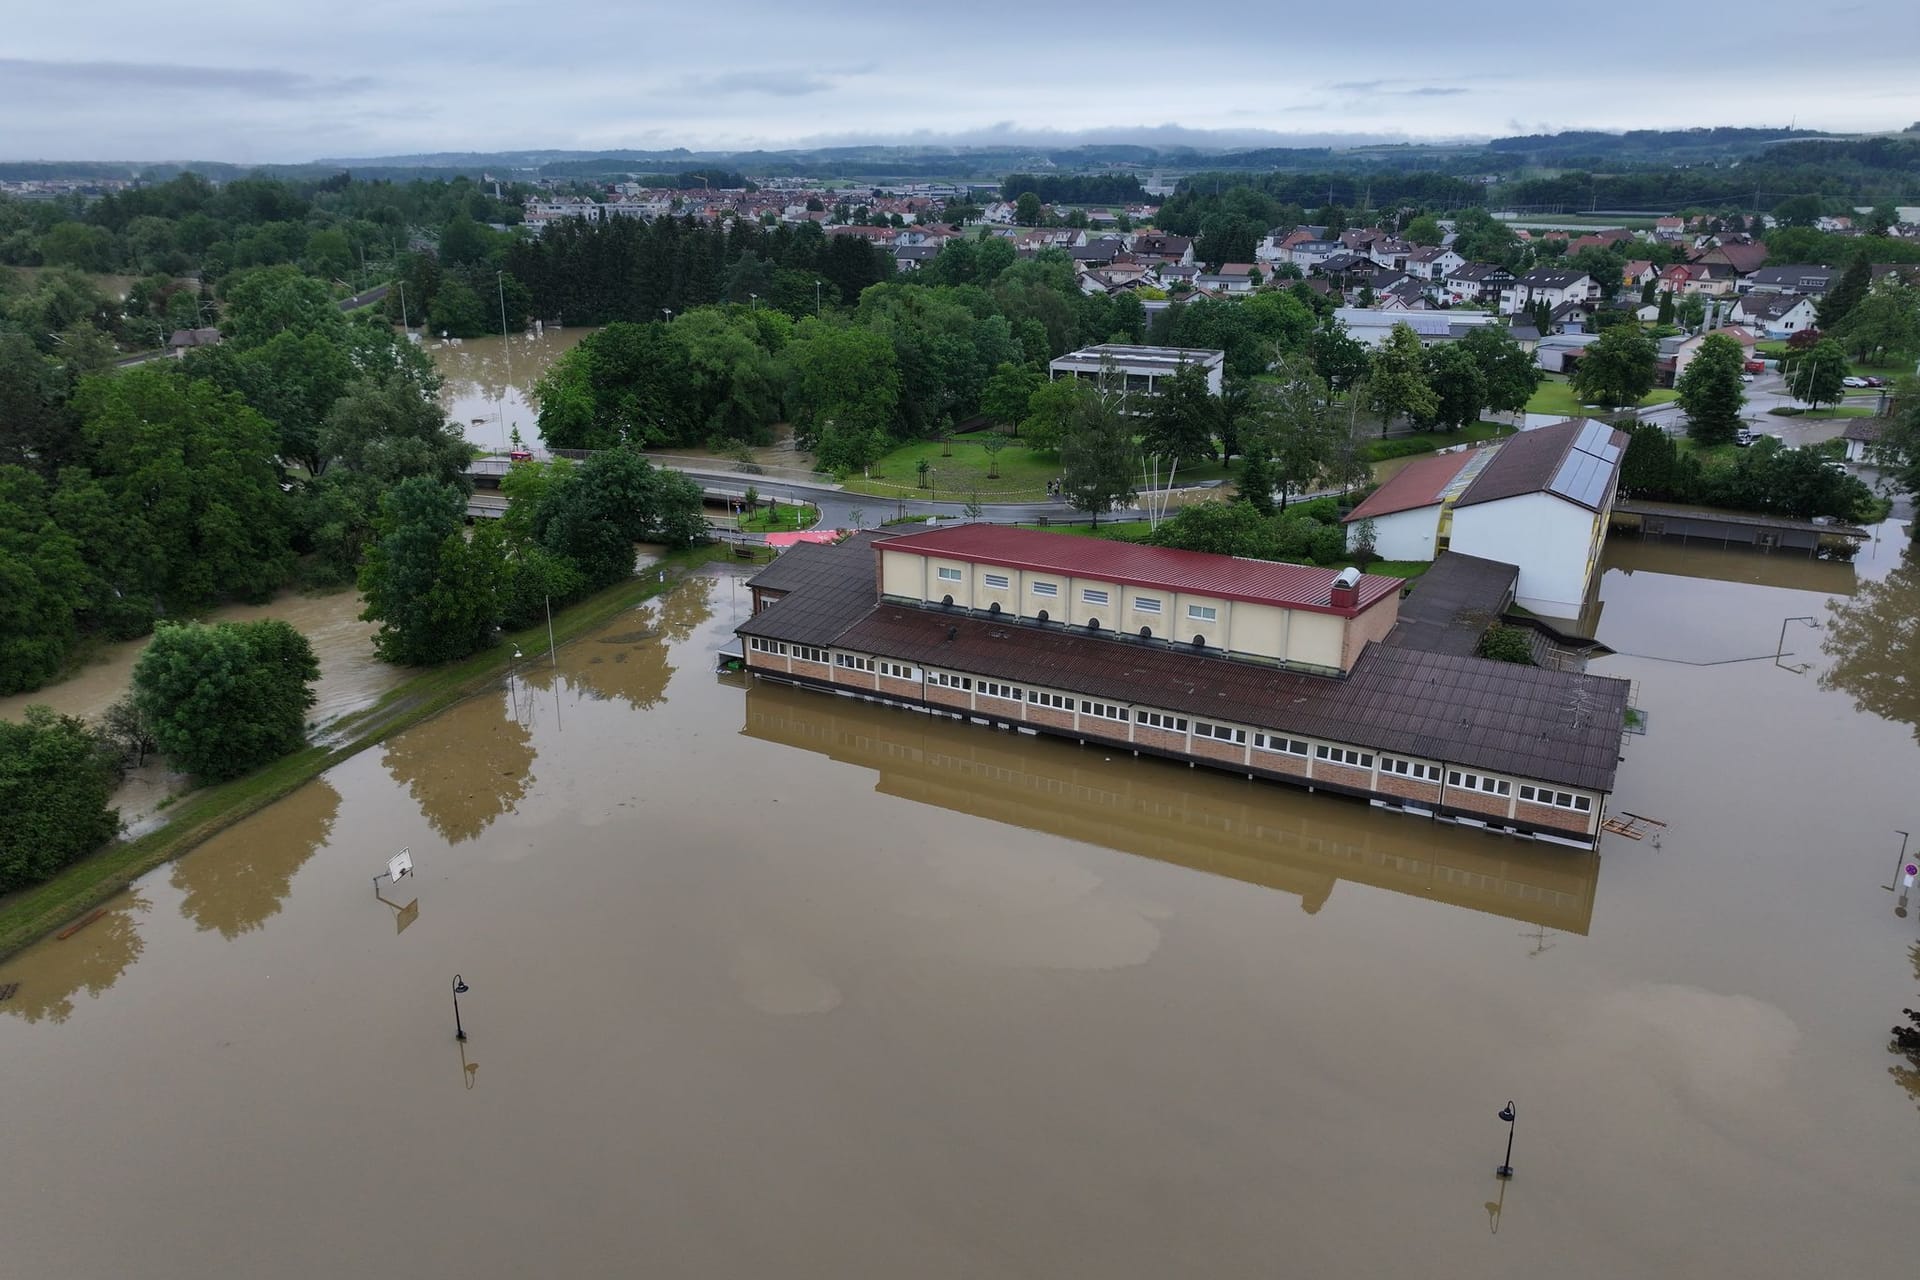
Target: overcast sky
<point>254,81</point>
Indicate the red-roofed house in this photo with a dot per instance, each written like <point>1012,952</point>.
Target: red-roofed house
<point>1406,511</point>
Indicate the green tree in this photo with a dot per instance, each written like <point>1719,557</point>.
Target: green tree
<point>1508,644</point>
<point>1813,376</point>
<point>1181,420</point>
<point>846,376</point>
<point>1291,421</point>
<point>221,700</point>
<point>1098,461</point>
<point>43,584</point>
<point>1884,324</point>
<point>1509,370</point>
<point>458,312</point>
<point>1847,292</point>
<point>1618,369</point>
<point>278,300</point>
<point>54,786</point>
<point>1256,481</point>
<point>1711,393</point>
<point>1051,409</point>
<point>1898,449</point>
<point>1027,211</point>
<point>1423,230</point>
<point>1459,387</point>
<point>434,594</point>
<point>1004,398</point>
<point>595,513</point>
<point>386,427</point>
<point>1397,380</point>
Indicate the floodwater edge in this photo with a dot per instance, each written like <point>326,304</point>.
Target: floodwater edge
<point>32,914</point>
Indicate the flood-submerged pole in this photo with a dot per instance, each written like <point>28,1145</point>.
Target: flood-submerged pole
<point>459,988</point>
<point>1506,1168</point>
<point>1898,862</point>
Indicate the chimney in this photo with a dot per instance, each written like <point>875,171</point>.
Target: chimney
<point>1346,589</point>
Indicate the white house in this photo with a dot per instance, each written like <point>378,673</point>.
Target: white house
<point>1140,368</point>
<point>1538,501</point>
<point>1543,284</point>
<point>1433,265</point>
<point>1778,315</point>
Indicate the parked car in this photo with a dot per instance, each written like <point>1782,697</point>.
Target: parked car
<point>1756,366</point>
<point>1743,437</point>
<point>1854,382</point>
<point>1746,377</point>
<point>1875,382</point>
<point>520,455</point>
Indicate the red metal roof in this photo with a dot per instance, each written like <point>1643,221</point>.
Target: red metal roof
<point>1289,586</point>
<point>1418,484</point>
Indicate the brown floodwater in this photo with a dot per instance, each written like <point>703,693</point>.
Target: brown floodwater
<point>489,382</point>
<point>765,982</point>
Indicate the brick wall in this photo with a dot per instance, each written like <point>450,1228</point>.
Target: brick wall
<point>941,695</point>
<point>1159,739</point>
<point>817,670</point>
<point>1392,784</point>
<point>1546,815</point>
<point>1343,775</point>
<point>1477,801</point>
<point>1281,762</point>
<point>894,686</point>
<point>1050,717</point>
<point>1214,749</point>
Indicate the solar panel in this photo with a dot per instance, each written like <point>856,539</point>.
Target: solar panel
<point>1582,478</point>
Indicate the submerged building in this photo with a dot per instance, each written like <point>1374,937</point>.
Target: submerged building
<point>1275,671</point>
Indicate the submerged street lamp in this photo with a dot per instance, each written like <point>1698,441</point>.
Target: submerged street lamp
<point>460,1032</point>
<point>1506,1168</point>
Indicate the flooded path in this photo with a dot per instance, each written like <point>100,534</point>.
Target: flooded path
<point>489,382</point>
<point>765,982</point>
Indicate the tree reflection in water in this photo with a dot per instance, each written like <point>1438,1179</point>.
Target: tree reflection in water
<point>465,767</point>
<point>1874,640</point>
<point>1906,1043</point>
<point>93,959</point>
<point>239,878</point>
<point>632,665</point>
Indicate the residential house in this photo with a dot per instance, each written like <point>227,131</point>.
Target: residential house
<point>1612,238</point>
<point>1636,274</point>
<point>184,340</point>
<point>1233,278</point>
<point>1741,252</point>
<point>1803,278</point>
<point>1158,246</point>
<point>1478,282</point>
<point>1433,265</point>
<point>1548,285</point>
<point>1539,500</point>
<point>1309,255</point>
<point>1140,367</point>
<point>1778,315</point>
<point>1390,253</point>
<point>1371,326</point>
<point>1861,435</point>
<point>1669,228</point>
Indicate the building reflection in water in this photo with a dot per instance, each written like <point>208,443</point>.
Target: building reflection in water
<point>1256,832</point>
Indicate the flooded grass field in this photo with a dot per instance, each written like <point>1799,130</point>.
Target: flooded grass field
<point>770,982</point>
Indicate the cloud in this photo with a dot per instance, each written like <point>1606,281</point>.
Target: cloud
<point>113,77</point>
<point>1397,89</point>
<point>780,84</point>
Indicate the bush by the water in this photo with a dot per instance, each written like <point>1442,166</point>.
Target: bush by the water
<point>54,784</point>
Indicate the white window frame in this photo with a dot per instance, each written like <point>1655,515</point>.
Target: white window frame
<point>998,581</point>
<point>1281,744</point>
<point>1057,701</point>
<point>1047,590</point>
<point>809,653</point>
<point>1351,757</point>
<point>1203,613</point>
<point>1220,732</point>
<point>778,648</point>
<point>1415,769</point>
<point>1161,720</point>
<point>853,662</point>
<point>947,573</point>
<point>1095,596</point>
<point>1478,782</point>
<point>1146,604</point>
<point>994,689</point>
<point>1104,710</point>
<point>899,671</point>
<point>947,680</point>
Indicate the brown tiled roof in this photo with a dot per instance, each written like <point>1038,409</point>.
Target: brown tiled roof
<point>1525,721</point>
<point>1290,586</point>
<point>1419,484</point>
<point>829,586</point>
<point>1530,463</point>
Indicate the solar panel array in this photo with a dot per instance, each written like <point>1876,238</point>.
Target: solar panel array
<point>1588,467</point>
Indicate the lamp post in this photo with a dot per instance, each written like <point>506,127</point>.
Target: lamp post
<point>754,302</point>
<point>1506,1168</point>
<point>816,298</point>
<point>459,989</point>
<point>500,283</point>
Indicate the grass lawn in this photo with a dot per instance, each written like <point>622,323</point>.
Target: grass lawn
<point>1833,411</point>
<point>1400,445</point>
<point>1118,529</point>
<point>1557,397</point>
<point>959,471</point>
<point>788,517</point>
<point>1023,473</point>
<point>1898,368</point>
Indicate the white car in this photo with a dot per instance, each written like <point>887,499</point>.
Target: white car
<point>1853,382</point>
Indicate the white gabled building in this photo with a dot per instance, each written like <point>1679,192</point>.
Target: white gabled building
<point>1539,501</point>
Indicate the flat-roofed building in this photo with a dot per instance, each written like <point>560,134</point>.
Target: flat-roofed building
<point>1140,369</point>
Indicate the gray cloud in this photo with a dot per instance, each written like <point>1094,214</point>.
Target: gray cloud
<point>780,84</point>
<point>109,77</point>
<point>1397,89</point>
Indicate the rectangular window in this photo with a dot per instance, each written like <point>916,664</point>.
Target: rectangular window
<point>1225,733</point>
<point>1344,755</point>
<point>1410,769</point>
<point>1046,589</point>
<point>1476,782</point>
<point>947,681</point>
<point>807,653</point>
<point>899,671</point>
<point>778,647</point>
<point>1146,604</point>
<point>998,581</point>
<point>949,575</point>
<point>852,662</point>
<point>1286,746</point>
<point>1202,612</point>
<point>991,689</point>
<point>1161,720</point>
<point>1058,701</point>
<point>1558,799</point>
<point>1089,596</point>
<point>1103,710</point>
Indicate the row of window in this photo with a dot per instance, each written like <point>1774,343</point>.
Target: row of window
<point>1088,595</point>
<point>1558,799</point>
<point>1178,724</point>
<point>775,647</point>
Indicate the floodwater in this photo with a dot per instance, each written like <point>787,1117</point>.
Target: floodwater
<point>489,382</point>
<point>765,982</point>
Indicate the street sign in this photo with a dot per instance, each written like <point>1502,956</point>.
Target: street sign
<point>1908,873</point>
<point>399,864</point>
